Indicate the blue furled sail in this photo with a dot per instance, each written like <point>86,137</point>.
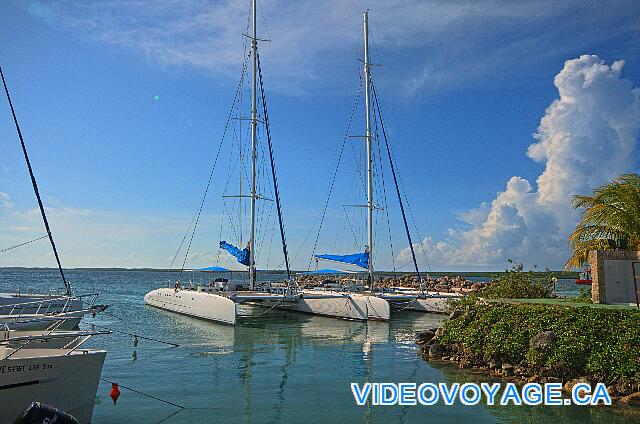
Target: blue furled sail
<point>359,259</point>
<point>241,255</point>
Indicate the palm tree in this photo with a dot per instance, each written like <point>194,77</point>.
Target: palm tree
<point>610,219</point>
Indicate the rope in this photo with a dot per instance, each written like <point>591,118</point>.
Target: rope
<point>21,244</point>
<point>395,180</point>
<point>215,162</point>
<point>335,173</point>
<point>137,335</point>
<point>143,394</point>
<point>273,170</point>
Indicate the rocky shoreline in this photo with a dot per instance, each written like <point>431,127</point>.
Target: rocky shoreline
<point>430,349</point>
<point>445,284</point>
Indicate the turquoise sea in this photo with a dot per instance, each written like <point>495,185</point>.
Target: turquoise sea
<point>275,368</point>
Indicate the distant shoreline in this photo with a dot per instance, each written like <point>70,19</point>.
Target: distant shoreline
<point>559,274</point>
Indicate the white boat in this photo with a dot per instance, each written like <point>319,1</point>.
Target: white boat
<point>399,298</point>
<point>223,306</point>
<point>419,301</point>
<point>50,313</point>
<point>220,303</point>
<point>66,379</point>
<point>45,339</point>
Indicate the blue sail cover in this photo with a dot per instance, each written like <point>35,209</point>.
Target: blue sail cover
<point>241,255</point>
<point>359,259</point>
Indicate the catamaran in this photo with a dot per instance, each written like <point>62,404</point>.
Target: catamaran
<point>399,297</point>
<point>221,302</point>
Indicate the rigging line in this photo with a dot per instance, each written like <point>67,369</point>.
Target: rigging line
<point>395,180</point>
<point>264,20</point>
<point>413,221</point>
<point>335,173</point>
<point>215,162</point>
<point>273,170</point>
<point>384,190</point>
<point>353,233</point>
<point>166,273</point>
<point>231,224</point>
<point>35,186</point>
<point>306,237</point>
<point>21,244</point>
<point>359,167</point>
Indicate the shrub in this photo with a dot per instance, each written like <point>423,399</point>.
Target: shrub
<point>518,284</point>
<point>604,342</point>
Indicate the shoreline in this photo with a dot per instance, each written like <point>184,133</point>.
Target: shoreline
<point>448,345</point>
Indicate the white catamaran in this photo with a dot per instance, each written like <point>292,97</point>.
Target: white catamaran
<point>399,297</point>
<point>220,303</point>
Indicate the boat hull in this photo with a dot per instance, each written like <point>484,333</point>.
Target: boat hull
<point>197,304</point>
<point>67,382</point>
<point>351,306</point>
<point>33,322</point>
<point>14,303</point>
<point>420,302</point>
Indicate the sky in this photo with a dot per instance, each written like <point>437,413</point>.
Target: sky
<point>497,112</point>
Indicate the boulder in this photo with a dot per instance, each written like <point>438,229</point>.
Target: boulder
<point>542,340</point>
<point>425,336</point>
<point>568,386</point>
<point>440,332</point>
<point>436,351</point>
<point>507,369</point>
<point>632,399</point>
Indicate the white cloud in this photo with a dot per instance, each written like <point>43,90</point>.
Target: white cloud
<point>586,137</point>
<point>5,200</point>
<point>425,45</point>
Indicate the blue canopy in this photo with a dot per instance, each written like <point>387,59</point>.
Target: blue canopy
<point>327,271</point>
<point>359,259</point>
<point>213,268</point>
<point>241,255</point>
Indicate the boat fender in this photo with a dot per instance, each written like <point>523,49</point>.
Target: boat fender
<point>38,413</point>
<point>114,393</point>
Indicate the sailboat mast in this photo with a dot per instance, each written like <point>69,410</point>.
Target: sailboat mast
<point>254,142</point>
<point>367,77</point>
<point>67,285</point>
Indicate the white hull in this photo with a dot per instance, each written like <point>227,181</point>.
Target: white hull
<point>67,382</point>
<point>351,306</point>
<point>28,322</point>
<point>422,302</point>
<point>220,308</point>
<point>209,306</point>
<point>60,339</point>
<point>14,303</point>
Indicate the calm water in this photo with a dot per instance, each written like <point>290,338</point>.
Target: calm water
<point>276,368</point>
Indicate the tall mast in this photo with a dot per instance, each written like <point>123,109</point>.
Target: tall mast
<point>367,77</point>
<point>35,188</point>
<point>254,142</point>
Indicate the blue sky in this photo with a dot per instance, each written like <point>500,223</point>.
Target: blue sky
<point>123,104</point>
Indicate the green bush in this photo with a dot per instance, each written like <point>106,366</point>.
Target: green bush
<point>604,342</point>
<point>518,284</point>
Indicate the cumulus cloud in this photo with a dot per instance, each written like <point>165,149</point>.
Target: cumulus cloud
<point>586,137</point>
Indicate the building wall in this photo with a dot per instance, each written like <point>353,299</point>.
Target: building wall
<point>603,260</point>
